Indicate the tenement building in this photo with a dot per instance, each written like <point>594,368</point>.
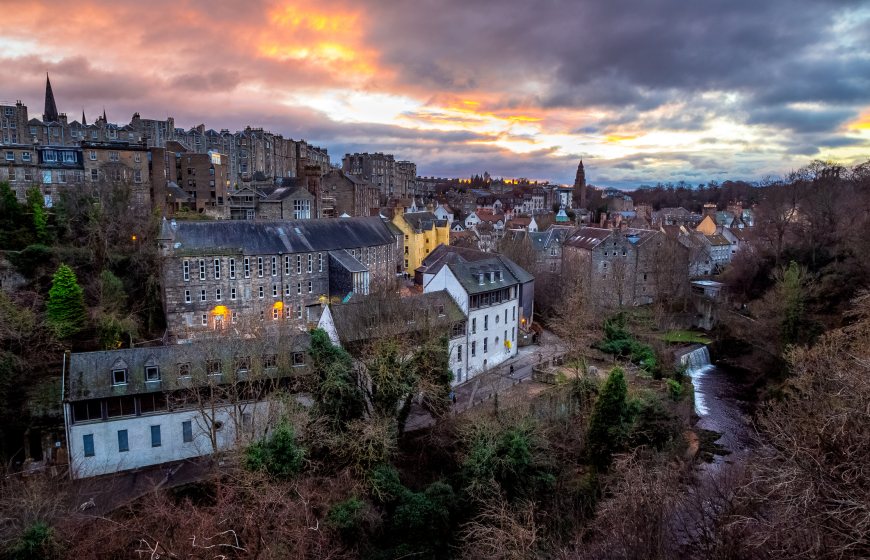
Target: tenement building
<point>251,276</point>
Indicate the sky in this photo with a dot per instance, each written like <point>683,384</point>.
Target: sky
<point>643,92</point>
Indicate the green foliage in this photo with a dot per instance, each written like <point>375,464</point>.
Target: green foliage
<point>346,517</point>
<point>338,398</point>
<point>431,363</point>
<point>675,389</point>
<point>65,310</point>
<point>385,484</point>
<point>113,330</point>
<point>685,337</point>
<point>610,415</point>
<point>652,424</point>
<point>113,298</point>
<point>620,342</point>
<point>279,455</point>
<point>37,210</point>
<point>791,291</point>
<point>31,259</point>
<point>38,542</point>
<point>392,378</point>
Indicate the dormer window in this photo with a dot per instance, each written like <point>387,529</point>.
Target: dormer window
<point>119,376</point>
<point>480,278</point>
<point>500,276</point>
<point>152,373</point>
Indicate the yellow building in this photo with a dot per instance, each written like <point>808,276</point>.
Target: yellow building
<point>423,232</point>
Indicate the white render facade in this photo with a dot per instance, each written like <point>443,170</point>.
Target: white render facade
<point>487,294</point>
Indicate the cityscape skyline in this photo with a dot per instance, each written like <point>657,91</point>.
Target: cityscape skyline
<point>665,93</point>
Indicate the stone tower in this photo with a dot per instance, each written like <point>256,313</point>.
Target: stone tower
<point>580,186</point>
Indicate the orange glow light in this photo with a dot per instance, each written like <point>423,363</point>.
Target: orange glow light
<point>219,310</point>
<point>278,305</point>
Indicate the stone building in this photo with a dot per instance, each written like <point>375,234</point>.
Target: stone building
<point>627,267</point>
<point>394,179</point>
<point>204,178</point>
<point>119,163</point>
<point>343,193</point>
<point>287,203</point>
<point>250,276</point>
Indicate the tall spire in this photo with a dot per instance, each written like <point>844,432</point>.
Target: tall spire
<point>84,120</point>
<point>105,120</point>
<point>580,186</point>
<point>50,113</point>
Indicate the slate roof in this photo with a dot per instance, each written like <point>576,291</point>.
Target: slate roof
<point>423,221</point>
<point>347,261</point>
<point>587,238</point>
<point>89,374</point>
<point>445,255</point>
<point>282,193</point>
<point>273,237</point>
<point>372,318</point>
<point>468,274</point>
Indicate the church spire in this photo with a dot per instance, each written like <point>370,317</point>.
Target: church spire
<point>580,185</point>
<point>50,113</point>
<point>84,120</point>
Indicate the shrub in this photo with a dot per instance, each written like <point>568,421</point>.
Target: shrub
<point>38,542</point>
<point>675,389</point>
<point>65,309</point>
<point>346,517</point>
<point>279,455</point>
<point>607,424</point>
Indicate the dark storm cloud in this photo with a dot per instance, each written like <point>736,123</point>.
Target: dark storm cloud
<point>815,120</point>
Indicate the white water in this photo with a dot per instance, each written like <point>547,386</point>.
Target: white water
<point>697,364</point>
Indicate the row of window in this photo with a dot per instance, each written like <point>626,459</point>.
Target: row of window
<point>241,364</point>
<point>513,334</point>
<point>491,298</point>
<point>497,317</point>
<point>261,292</point>
<point>124,438</point>
<point>262,263</point>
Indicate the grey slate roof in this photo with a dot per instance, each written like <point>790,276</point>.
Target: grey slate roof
<point>587,238</point>
<point>348,261</point>
<point>468,275</point>
<point>423,221</point>
<point>373,317</point>
<point>273,237</point>
<point>446,255</point>
<point>89,374</point>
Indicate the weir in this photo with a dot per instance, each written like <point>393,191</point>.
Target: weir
<point>697,364</point>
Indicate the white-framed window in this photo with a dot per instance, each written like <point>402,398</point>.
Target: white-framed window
<point>261,293</point>
<point>202,295</point>
<point>10,156</point>
<point>485,345</point>
<point>202,269</point>
<point>286,265</point>
<point>473,348</point>
<point>232,294</point>
<point>247,265</point>
<point>217,269</point>
<point>235,317</point>
<point>25,156</point>
<point>259,267</point>
<point>204,318</point>
<point>320,262</point>
<point>92,155</point>
<point>274,290</point>
<point>310,262</point>
<point>276,313</point>
<point>298,264</point>
<point>459,353</point>
<point>299,311</point>
<point>310,286</point>
<point>186,296</point>
<point>217,294</point>
<point>274,266</point>
<point>137,176</point>
<point>137,157</point>
<point>299,288</point>
<point>119,376</point>
<point>233,269</point>
<point>287,290</point>
<point>152,373</point>
<point>114,156</point>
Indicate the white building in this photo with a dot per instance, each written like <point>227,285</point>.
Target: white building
<point>487,292</point>
<point>133,408</point>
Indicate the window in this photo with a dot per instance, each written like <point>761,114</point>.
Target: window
<point>201,269</point>
<point>459,353</point>
<point>299,288</point>
<point>114,156</point>
<point>274,290</point>
<point>276,313</point>
<point>485,345</point>
<point>25,156</point>
<point>299,311</point>
<point>95,175</point>
<point>152,373</point>
<point>204,319</point>
<point>243,364</point>
<point>274,269</point>
<point>202,295</point>
<point>123,443</point>
<point>497,316</point>
<point>217,269</point>
<point>247,267</point>
<point>474,325</point>
<point>10,156</point>
<point>320,262</point>
<point>186,296</point>
<point>235,317</point>
<point>473,348</point>
<point>270,361</point>
<point>261,292</point>
<point>233,269</point>
<point>137,158</point>
<point>137,176</point>
<point>233,294</point>
<point>119,376</point>
<point>514,313</point>
<point>183,369</point>
<point>186,270</point>
<point>88,444</point>
<point>310,286</point>
<point>155,436</point>
<point>49,156</point>
<point>505,316</point>
<point>310,261</point>
<point>298,358</point>
<point>298,264</point>
<point>213,367</point>
<point>217,294</point>
<point>187,431</point>
<point>260,267</point>
<point>485,323</point>
<point>286,265</point>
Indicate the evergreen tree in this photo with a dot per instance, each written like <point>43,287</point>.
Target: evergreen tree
<point>40,221</point>
<point>65,311</point>
<point>607,425</point>
<point>337,394</point>
<point>790,285</point>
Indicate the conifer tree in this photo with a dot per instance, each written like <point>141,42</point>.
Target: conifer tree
<point>40,222</point>
<point>607,425</point>
<point>65,311</point>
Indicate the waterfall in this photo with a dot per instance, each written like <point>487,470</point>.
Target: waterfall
<point>697,363</point>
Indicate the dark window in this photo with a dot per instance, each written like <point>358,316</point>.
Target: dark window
<point>88,442</point>
<point>298,358</point>
<point>120,406</point>
<point>119,377</point>
<point>123,444</point>
<point>187,431</point>
<point>184,369</point>
<point>213,367</point>
<point>152,373</point>
<point>152,402</point>
<point>155,436</point>
<point>87,410</point>
<point>243,364</point>
<point>270,361</point>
